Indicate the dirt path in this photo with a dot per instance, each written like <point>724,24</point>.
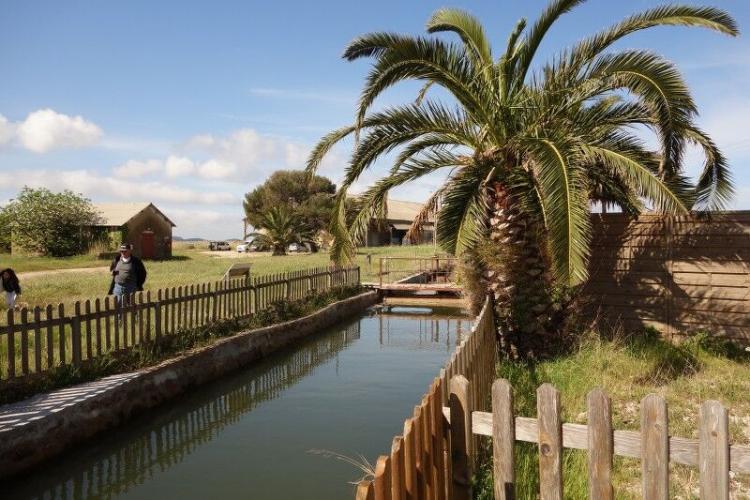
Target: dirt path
<point>52,272</point>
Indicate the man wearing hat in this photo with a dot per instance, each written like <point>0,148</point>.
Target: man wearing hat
<point>128,273</point>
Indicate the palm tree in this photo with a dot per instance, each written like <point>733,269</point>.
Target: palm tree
<point>527,147</point>
<point>278,229</point>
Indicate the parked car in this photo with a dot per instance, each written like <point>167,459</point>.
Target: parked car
<point>294,247</point>
<point>245,246</point>
<point>218,245</point>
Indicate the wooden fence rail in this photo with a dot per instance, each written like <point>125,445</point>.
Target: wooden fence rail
<point>37,340</point>
<point>419,464</point>
<point>711,453</point>
<point>435,457</point>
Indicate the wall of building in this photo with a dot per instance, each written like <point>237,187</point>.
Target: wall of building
<point>379,236</point>
<point>150,220</point>
<point>680,275</point>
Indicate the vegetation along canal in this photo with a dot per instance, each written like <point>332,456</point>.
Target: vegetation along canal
<point>264,432</point>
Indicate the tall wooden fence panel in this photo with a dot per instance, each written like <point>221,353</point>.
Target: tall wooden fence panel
<point>678,274</point>
<point>711,454</point>
<point>39,339</point>
<point>419,465</point>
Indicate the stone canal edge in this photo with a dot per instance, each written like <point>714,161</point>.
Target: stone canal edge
<point>45,425</point>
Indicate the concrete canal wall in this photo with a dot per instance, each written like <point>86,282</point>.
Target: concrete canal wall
<point>39,428</point>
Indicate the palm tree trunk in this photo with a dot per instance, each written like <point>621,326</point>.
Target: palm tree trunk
<point>517,275</point>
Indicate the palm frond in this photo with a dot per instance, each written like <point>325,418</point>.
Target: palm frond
<point>465,26</point>
<point>715,187</point>
<point>537,32</point>
<point>462,219</point>
<point>564,194</point>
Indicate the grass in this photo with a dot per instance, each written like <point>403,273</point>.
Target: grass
<point>168,346</point>
<point>24,264</point>
<point>188,266</point>
<point>629,369</point>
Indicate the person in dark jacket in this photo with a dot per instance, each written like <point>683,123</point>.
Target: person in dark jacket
<point>11,287</point>
<point>128,273</point>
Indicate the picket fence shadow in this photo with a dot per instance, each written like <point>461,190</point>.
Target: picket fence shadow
<point>37,340</point>
<point>436,456</point>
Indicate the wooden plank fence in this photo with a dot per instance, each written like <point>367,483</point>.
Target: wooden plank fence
<point>436,455</point>
<point>37,340</point>
<point>419,464</point>
<point>680,275</point>
<point>712,454</point>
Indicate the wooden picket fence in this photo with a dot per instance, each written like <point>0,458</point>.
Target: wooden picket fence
<point>711,453</point>
<point>37,340</point>
<point>436,456</point>
<point>418,465</point>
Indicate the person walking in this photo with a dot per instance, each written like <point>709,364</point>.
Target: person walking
<point>128,274</point>
<point>11,286</point>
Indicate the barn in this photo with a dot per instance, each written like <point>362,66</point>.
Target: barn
<point>141,224</point>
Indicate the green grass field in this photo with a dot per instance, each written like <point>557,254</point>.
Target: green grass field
<point>628,370</point>
<point>188,266</point>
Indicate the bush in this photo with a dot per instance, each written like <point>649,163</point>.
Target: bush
<point>56,224</point>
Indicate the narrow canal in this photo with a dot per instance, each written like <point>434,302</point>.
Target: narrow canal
<point>266,432</point>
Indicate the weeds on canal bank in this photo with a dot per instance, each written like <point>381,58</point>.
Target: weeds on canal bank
<point>169,346</point>
<point>629,368</point>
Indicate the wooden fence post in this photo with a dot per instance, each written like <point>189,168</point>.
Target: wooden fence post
<point>157,315</point>
<point>383,478</point>
<point>11,345</point>
<point>713,451</point>
<point>503,440</point>
<point>398,486</point>
<point>76,333</point>
<point>365,491</point>
<point>215,303</point>
<point>600,445</point>
<point>550,442</point>
<point>410,460</point>
<point>654,448</point>
<point>460,411</point>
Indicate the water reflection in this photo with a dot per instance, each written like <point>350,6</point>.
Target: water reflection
<point>144,450</point>
<point>428,325</point>
<point>171,440</point>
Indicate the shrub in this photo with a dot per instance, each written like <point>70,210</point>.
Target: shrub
<point>56,224</point>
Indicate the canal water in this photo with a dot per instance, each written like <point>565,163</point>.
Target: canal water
<point>271,431</point>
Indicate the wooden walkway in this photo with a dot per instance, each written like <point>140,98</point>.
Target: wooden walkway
<point>420,287</point>
<point>451,288</point>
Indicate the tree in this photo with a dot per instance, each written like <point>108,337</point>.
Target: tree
<point>56,224</point>
<point>310,198</point>
<point>279,228</point>
<point>528,147</point>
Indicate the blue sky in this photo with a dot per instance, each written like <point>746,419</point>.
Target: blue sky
<point>191,104</point>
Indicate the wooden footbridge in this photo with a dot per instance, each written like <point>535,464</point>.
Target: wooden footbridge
<point>417,275</point>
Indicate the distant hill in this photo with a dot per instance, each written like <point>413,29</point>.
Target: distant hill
<point>180,238</point>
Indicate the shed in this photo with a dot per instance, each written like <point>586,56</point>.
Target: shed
<point>139,223</point>
<point>399,217</point>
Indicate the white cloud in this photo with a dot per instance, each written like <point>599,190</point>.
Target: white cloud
<point>244,147</point>
<point>100,188</point>
<point>135,168</point>
<point>243,155</point>
<point>206,223</point>
<point>45,129</point>
<point>7,131</point>
<point>177,166</point>
<point>216,170</point>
